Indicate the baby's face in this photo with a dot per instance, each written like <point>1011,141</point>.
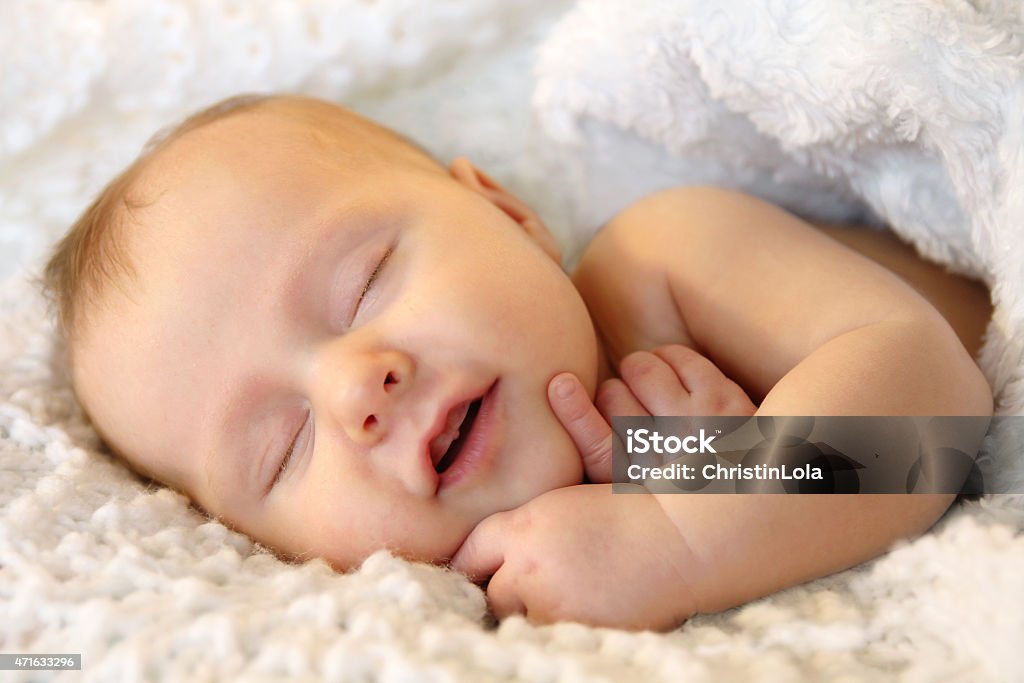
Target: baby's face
<point>304,337</point>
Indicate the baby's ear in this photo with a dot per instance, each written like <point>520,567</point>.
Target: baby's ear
<point>463,170</point>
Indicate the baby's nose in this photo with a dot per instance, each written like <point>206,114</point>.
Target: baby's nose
<point>365,393</point>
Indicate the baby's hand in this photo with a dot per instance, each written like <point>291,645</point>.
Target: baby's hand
<point>670,380</point>
<point>582,554</point>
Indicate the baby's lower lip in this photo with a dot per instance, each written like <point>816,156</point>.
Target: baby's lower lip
<point>479,449</point>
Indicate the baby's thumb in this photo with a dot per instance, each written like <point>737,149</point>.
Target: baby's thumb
<point>586,426</point>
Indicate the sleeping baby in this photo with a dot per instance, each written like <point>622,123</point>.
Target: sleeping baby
<point>334,344</point>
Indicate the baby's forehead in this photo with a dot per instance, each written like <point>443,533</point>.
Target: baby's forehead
<point>236,193</point>
<point>217,204</point>
<point>279,128</point>
<point>225,148</point>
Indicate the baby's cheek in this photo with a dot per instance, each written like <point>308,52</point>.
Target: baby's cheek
<point>430,539</point>
<point>415,536</point>
<point>557,463</point>
<point>573,464</point>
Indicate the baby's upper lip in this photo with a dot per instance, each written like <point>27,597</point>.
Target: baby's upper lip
<point>449,432</point>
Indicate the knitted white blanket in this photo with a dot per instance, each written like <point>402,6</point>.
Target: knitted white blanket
<point>906,111</point>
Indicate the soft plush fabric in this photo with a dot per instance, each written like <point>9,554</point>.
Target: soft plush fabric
<point>903,112</point>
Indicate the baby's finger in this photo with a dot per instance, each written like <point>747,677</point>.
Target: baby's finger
<point>654,383</point>
<point>482,553</point>
<point>695,372</point>
<point>614,399</point>
<point>503,594</point>
<point>590,432</point>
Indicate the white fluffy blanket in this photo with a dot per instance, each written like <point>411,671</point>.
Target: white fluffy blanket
<point>907,112</point>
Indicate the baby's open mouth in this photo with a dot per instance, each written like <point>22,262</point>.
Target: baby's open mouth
<point>444,450</point>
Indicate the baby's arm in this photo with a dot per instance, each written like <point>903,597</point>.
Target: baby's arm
<point>799,320</point>
<point>730,548</point>
<point>760,292</point>
<point>805,327</point>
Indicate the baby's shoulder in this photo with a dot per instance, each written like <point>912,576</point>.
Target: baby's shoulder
<point>653,222</point>
<point>623,274</point>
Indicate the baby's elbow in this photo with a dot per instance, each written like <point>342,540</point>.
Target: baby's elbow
<point>964,388</point>
<point>980,399</point>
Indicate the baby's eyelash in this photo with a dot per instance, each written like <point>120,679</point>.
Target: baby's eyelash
<point>287,457</point>
<point>288,453</point>
<point>374,274</point>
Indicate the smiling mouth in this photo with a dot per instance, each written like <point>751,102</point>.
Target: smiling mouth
<point>444,459</point>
